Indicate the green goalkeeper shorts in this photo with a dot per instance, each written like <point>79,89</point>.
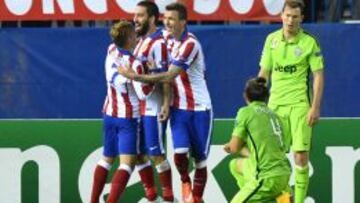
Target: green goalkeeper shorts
<point>262,191</point>
<point>296,131</point>
<point>244,175</point>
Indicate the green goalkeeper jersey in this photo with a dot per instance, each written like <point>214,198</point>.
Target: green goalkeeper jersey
<point>260,129</point>
<point>290,63</point>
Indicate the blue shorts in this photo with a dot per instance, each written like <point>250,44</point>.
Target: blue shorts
<point>192,129</point>
<point>120,136</point>
<point>152,134</point>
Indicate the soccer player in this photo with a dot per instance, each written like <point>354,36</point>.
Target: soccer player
<point>266,174</point>
<point>155,108</point>
<point>191,114</point>
<point>289,56</point>
<point>121,114</point>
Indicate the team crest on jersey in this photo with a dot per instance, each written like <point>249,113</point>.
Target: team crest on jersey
<point>274,43</point>
<point>297,52</point>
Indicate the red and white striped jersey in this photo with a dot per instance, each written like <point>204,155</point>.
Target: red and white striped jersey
<point>123,95</point>
<point>168,39</point>
<point>152,48</point>
<point>190,89</point>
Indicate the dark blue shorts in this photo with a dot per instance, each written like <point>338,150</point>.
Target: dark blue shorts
<point>120,136</point>
<point>152,135</point>
<point>192,129</point>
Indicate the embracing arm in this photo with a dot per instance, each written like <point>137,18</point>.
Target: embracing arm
<point>151,78</point>
<point>160,77</point>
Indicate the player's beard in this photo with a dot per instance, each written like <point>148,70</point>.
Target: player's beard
<point>144,29</point>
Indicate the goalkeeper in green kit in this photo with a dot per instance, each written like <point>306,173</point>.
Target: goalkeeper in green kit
<point>264,174</point>
<point>289,56</point>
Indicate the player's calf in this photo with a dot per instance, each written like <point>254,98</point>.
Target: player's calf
<point>200,179</point>
<point>147,178</point>
<point>100,175</point>
<point>164,171</point>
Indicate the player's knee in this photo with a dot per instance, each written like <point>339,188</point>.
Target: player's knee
<point>200,164</point>
<point>235,166</point>
<point>162,166</point>
<point>128,160</point>
<point>108,160</point>
<point>232,166</point>
<point>141,159</point>
<point>157,159</point>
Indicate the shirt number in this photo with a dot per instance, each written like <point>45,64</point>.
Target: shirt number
<point>276,128</point>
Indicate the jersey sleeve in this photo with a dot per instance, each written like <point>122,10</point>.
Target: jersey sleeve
<point>112,74</point>
<point>187,54</point>
<point>316,59</point>
<point>240,125</point>
<point>266,59</point>
<point>142,90</point>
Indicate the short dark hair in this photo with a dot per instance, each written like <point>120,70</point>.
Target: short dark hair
<point>180,8</point>
<point>256,89</point>
<point>151,8</point>
<point>295,4</point>
<point>120,32</point>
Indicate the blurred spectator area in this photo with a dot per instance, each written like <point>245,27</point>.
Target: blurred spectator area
<point>315,11</point>
<point>58,23</point>
<point>341,10</point>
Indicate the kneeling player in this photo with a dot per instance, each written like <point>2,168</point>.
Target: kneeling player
<point>263,176</point>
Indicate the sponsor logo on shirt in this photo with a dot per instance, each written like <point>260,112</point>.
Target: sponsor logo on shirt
<point>286,69</point>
